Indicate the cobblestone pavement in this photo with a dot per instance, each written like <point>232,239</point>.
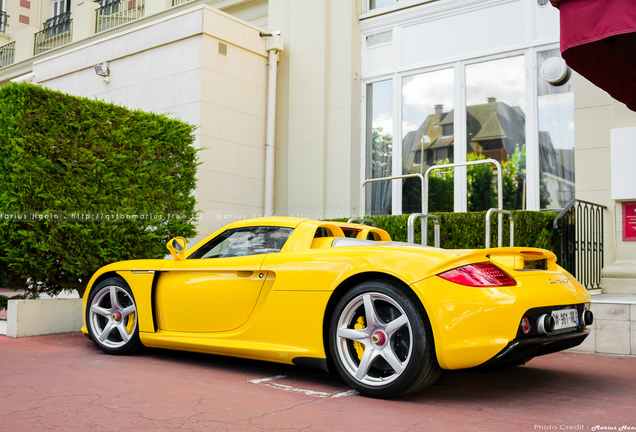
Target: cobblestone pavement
<point>64,383</point>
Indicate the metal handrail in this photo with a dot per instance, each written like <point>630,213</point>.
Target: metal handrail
<point>363,205</point>
<point>459,164</point>
<point>499,239</point>
<point>568,207</point>
<point>425,217</point>
<point>118,13</point>
<point>7,54</point>
<point>367,181</point>
<point>56,24</point>
<point>57,31</point>
<point>580,225</point>
<point>363,221</point>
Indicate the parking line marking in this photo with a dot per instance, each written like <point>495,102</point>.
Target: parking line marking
<point>268,382</point>
<point>344,393</point>
<point>262,380</point>
<point>287,388</point>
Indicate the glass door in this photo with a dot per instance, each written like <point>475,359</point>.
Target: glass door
<point>496,129</point>
<point>428,138</point>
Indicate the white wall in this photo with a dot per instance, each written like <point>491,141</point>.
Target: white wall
<point>172,65</point>
<point>318,118</point>
<point>596,114</point>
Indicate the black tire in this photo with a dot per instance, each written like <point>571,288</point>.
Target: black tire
<point>397,355</point>
<point>112,318</point>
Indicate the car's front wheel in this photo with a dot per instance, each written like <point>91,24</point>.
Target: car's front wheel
<point>381,342</point>
<point>111,317</point>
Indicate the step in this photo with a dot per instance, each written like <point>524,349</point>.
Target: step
<point>614,328</point>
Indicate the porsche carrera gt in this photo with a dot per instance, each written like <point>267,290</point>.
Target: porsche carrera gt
<point>388,317</point>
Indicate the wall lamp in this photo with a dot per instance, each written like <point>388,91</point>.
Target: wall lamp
<point>103,71</point>
<point>273,33</point>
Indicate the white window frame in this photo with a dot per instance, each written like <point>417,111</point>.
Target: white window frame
<point>58,7</point>
<point>529,50</point>
<point>460,151</point>
<point>367,12</point>
<point>534,177</point>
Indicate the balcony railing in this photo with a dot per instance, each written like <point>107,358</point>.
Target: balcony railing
<point>7,54</point>
<point>57,31</point>
<point>117,13</point>
<point>3,22</point>
<point>178,2</point>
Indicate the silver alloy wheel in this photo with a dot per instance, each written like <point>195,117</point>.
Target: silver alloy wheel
<point>380,363</point>
<point>113,316</point>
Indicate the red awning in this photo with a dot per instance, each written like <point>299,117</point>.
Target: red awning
<point>598,40</point>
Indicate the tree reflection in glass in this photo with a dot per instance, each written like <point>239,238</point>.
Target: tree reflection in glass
<point>496,129</point>
<point>427,138</point>
<point>379,146</point>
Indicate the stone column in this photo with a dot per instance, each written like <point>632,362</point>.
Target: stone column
<point>596,114</point>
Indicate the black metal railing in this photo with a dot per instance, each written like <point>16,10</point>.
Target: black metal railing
<point>116,13</point>
<point>178,2</point>
<point>3,22</point>
<point>580,226</point>
<point>57,31</point>
<point>7,54</point>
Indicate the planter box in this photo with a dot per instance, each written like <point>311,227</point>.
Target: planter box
<point>40,317</point>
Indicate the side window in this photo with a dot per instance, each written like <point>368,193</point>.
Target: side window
<point>244,241</point>
<point>374,236</point>
<point>351,232</point>
<point>323,232</point>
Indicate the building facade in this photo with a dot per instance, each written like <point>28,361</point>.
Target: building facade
<point>365,89</point>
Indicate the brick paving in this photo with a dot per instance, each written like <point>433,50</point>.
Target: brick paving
<point>64,383</point>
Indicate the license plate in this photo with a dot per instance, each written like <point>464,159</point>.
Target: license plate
<point>565,318</point>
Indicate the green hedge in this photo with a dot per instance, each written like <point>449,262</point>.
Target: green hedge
<point>468,230</point>
<point>84,183</point>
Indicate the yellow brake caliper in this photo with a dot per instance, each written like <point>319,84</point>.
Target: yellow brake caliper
<point>130,325</point>
<point>357,345</point>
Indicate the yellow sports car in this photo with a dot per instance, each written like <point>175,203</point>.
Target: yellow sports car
<point>387,316</point>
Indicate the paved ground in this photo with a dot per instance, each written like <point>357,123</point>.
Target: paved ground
<point>63,383</point>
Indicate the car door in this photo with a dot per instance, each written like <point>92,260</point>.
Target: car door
<point>217,287</point>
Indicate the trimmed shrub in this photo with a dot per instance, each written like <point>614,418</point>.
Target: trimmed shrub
<point>468,230</point>
<point>84,183</point>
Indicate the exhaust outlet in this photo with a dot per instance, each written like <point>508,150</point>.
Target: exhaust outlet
<point>545,324</point>
<point>587,318</point>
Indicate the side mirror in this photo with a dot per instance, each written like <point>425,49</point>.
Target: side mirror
<point>177,248</point>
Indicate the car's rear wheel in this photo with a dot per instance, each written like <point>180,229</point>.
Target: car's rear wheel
<point>111,317</point>
<point>381,342</point>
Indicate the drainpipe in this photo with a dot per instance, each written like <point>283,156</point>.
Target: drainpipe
<point>273,44</point>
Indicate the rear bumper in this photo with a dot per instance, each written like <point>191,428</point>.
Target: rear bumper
<point>520,350</point>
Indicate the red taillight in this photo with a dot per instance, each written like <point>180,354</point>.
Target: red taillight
<point>479,275</point>
<point>525,325</point>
